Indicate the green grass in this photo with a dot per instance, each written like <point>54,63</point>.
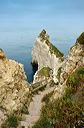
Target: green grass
<point>24,109</point>
<point>66,112</point>
<point>11,122</point>
<point>74,79</point>
<point>54,50</point>
<point>81,39</point>
<point>1,50</point>
<point>45,71</point>
<point>46,98</point>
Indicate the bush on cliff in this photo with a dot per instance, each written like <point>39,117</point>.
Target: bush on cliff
<point>68,111</point>
<point>54,50</point>
<point>81,38</point>
<point>11,122</point>
<point>45,71</point>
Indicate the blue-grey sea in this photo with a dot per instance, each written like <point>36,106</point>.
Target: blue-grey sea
<point>21,52</point>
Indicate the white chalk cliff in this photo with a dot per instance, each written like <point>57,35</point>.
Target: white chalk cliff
<point>45,54</point>
<point>74,60</point>
<point>13,85</point>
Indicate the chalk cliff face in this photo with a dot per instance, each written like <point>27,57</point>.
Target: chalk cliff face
<point>46,55</point>
<point>74,59</point>
<point>13,84</point>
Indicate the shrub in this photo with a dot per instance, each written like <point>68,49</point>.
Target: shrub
<point>46,98</point>
<point>1,50</point>
<point>73,82</point>
<point>24,109</point>
<point>45,71</point>
<point>11,122</point>
<point>54,50</point>
<point>66,112</point>
<point>75,79</point>
<point>80,74</point>
<point>81,38</point>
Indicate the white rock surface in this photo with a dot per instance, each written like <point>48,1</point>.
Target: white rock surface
<point>13,85</point>
<point>43,57</point>
<point>73,61</point>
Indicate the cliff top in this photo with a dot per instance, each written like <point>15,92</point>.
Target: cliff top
<point>81,39</point>
<point>45,37</point>
<point>2,54</point>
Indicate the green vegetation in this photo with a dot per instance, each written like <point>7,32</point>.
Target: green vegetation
<point>75,79</point>
<point>81,38</point>
<point>46,98</point>
<point>42,35</point>
<point>45,71</point>
<point>11,122</point>
<point>1,50</point>
<point>54,50</point>
<point>58,73</point>
<point>68,111</point>
<point>24,109</point>
<point>40,88</point>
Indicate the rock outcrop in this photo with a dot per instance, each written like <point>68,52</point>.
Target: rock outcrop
<point>65,107</point>
<point>13,85</point>
<point>45,54</point>
<point>74,60</point>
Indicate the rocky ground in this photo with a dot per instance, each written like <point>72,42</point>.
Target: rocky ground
<point>14,87</point>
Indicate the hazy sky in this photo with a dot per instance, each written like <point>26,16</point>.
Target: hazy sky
<point>22,20</point>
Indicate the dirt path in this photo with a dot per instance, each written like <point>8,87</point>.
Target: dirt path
<point>35,109</point>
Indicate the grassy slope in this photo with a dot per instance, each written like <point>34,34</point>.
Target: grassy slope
<point>45,71</point>
<point>81,38</point>
<point>69,110</point>
<point>54,50</point>
<point>43,35</point>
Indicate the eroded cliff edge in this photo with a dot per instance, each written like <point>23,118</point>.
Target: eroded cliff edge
<point>65,106</point>
<point>51,61</point>
<point>45,54</point>
<point>74,60</point>
<point>14,88</point>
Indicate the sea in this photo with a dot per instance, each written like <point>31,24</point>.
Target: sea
<point>22,53</point>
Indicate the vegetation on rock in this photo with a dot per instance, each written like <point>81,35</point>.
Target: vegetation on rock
<point>53,49</point>
<point>2,54</point>
<point>81,38</point>
<point>44,36</point>
<point>1,50</point>
<point>11,122</point>
<point>68,111</point>
<point>45,71</point>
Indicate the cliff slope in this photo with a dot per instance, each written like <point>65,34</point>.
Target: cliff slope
<point>74,60</point>
<point>45,54</point>
<point>66,109</point>
<point>13,85</point>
